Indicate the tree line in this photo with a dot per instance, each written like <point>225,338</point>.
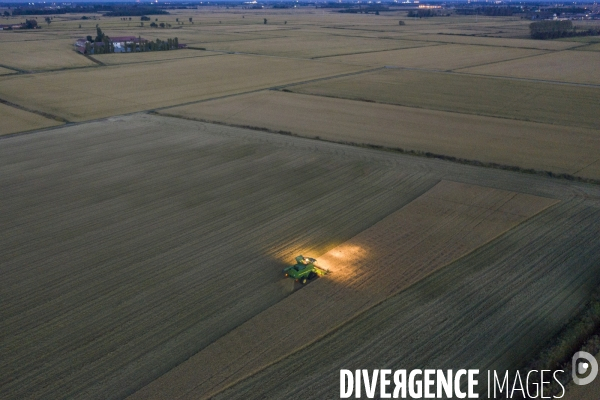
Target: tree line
<point>558,29</point>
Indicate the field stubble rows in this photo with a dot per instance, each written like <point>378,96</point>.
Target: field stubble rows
<point>131,244</point>
<point>490,310</point>
<point>444,224</point>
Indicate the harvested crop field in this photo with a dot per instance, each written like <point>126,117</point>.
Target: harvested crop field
<point>311,46</point>
<point>17,120</point>
<point>564,66</point>
<point>133,243</point>
<point>444,224</point>
<point>40,55</point>
<point>96,92</point>
<point>493,140</point>
<point>440,57</point>
<point>497,97</point>
<point>497,42</point>
<point>473,308</point>
<point>6,71</point>
<point>591,47</point>
<point>135,58</point>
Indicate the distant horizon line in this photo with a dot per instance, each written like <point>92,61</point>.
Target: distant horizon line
<point>197,2</point>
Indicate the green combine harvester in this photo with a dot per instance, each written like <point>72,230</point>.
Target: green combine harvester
<point>304,270</point>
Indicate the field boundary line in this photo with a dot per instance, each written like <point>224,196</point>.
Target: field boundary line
<point>278,87</point>
<point>589,165</point>
<point>17,70</point>
<point>514,78</point>
<point>509,59</point>
<point>285,90</point>
<point>400,150</point>
<point>165,60</point>
<point>490,45</point>
<point>42,113</point>
<point>373,51</point>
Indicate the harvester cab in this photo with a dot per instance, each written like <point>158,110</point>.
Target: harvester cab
<point>304,270</point>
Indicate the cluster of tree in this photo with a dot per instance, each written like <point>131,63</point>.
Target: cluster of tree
<point>557,29</point>
<point>28,24</point>
<point>421,13</point>
<point>161,25</point>
<point>102,44</point>
<point>100,36</point>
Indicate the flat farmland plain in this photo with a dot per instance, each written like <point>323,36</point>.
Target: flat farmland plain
<point>133,243</point>
<point>154,237</point>
<point>312,46</point>
<point>555,148</point>
<point>99,92</point>
<point>496,41</point>
<point>37,55</point>
<point>506,98</point>
<point>137,58</point>
<point>564,66</point>
<point>473,308</point>
<point>17,120</point>
<point>440,57</point>
<point>447,222</point>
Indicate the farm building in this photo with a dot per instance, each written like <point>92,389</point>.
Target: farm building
<point>124,44</point>
<point>121,44</point>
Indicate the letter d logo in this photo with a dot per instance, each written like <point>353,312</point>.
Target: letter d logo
<point>582,367</point>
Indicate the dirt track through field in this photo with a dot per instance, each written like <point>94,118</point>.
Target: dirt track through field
<point>442,225</point>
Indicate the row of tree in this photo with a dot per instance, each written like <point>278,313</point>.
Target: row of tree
<point>421,13</point>
<point>557,29</point>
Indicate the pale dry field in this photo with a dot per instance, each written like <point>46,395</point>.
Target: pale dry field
<point>24,35</point>
<point>311,46</point>
<point>513,99</point>
<point>17,120</point>
<point>591,47</point>
<point>37,55</point>
<point>99,92</point>
<point>444,224</point>
<point>564,66</point>
<point>6,71</point>
<point>525,144</point>
<point>136,58</point>
<point>440,57</point>
<point>496,41</point>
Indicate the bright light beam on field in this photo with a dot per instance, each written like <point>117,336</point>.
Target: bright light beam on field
<point>342,261</point>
